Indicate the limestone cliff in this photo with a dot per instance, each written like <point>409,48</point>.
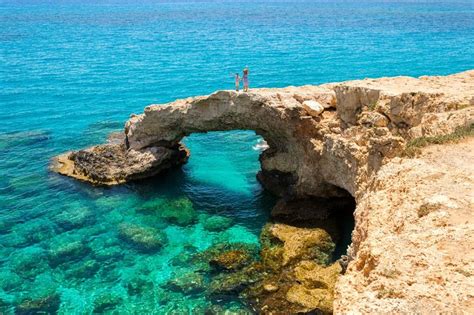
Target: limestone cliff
<point>331,140</point>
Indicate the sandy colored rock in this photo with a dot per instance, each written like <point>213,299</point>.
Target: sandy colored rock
<point>412,246</point>
<point>313,108</point>
<point>300,242</point>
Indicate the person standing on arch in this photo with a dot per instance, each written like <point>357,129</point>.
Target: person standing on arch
<point>245,79</point>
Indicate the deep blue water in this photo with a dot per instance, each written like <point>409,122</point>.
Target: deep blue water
<point>72,72</point>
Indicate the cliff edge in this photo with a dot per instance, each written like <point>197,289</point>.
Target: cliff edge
<point>413,240</point>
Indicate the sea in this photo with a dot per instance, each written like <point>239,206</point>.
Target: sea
<point>72,72</point>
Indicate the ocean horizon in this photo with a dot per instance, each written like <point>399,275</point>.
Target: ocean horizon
<point>72,72</point>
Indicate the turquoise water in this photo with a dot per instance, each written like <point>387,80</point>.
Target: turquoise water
<point>72,72</point>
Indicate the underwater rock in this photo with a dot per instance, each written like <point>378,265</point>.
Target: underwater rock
<point>139,285</point>
<point>179,211</point>
<point>66,252</point>
<point>85,269</point>
<point>23,138</point>
<point>231,260</point>
<point>105,302</point>
<point>203,258</point>
<point>36,231</point>
<point>229,285</point>
<point>45,305</point>
<point>74,217</point>
<point>29,262</point>
<point>152,206</point>
<point>111,253</point>
<point>217,223</point>
<point>9,280</point>
<point>189,283</point>
<point>232,309</point>
<point>145,239</point>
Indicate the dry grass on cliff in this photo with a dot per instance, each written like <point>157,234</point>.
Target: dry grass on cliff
<point>413,147</point>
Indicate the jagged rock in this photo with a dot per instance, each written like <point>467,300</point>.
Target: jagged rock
<point>146,239</point>
<point>303,243</point>
<point>373,119</point>
<point>330,155</point>
<point>231,260</point>
<point>111,164</point>
<point>313,108</point>
<point>231,284</point>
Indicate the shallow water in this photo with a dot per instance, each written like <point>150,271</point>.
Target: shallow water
<point>72,72</point>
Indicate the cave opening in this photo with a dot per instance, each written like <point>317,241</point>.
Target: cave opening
<point>277,249</point>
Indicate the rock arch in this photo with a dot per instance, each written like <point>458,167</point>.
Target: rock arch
<point>321,138</point>
<point>345,135</point>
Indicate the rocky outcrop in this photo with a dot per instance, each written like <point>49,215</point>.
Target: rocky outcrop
<point>334,140</point>
<point>112,164</point>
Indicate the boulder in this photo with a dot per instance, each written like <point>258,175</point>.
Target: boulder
<point>46,305</point>
<point>231,260</point>
<point>217,223</point>
<point>189,283</point>
<point>313,108</point>
<point>142,238</point>
<point>66,252</point>
<point>179,211</point>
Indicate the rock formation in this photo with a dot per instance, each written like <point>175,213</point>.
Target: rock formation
<point>333,140</point>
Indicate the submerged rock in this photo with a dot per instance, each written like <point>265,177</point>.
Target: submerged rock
<point>85,269</point>
<point>188,283</point>
<point>139,285</point>
<point>45,305</point>
<point>67,251</point>
<point>217,223</point>
<point>239,254</point>
<point>75,216</point>
<point>145,239</point>
<point>231,260</point>
<point>23,138</point>
<point>105,302</point>
<point>29,262</point>
<point>229,285</point>
<point>179,211</point>
<point>9,281</point>
<point>112,253</point>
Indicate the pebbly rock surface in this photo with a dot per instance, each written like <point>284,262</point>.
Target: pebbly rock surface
<point>111,164</point>
<point>411,247</point>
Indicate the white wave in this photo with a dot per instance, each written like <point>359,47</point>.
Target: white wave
<point>261,145</point>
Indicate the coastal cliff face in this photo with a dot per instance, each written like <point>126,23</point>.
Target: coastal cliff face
<point>334,140</point>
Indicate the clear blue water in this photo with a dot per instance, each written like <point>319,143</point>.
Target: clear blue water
<point>72,71</point>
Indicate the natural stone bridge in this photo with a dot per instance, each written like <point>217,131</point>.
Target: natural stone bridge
<point>321,138</point>
<point>413,216</point>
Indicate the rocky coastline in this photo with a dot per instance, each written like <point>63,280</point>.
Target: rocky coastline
<point>346,141</point>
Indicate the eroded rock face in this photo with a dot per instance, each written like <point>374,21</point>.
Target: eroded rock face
<point>111,164</point>
<point>405,251</point>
